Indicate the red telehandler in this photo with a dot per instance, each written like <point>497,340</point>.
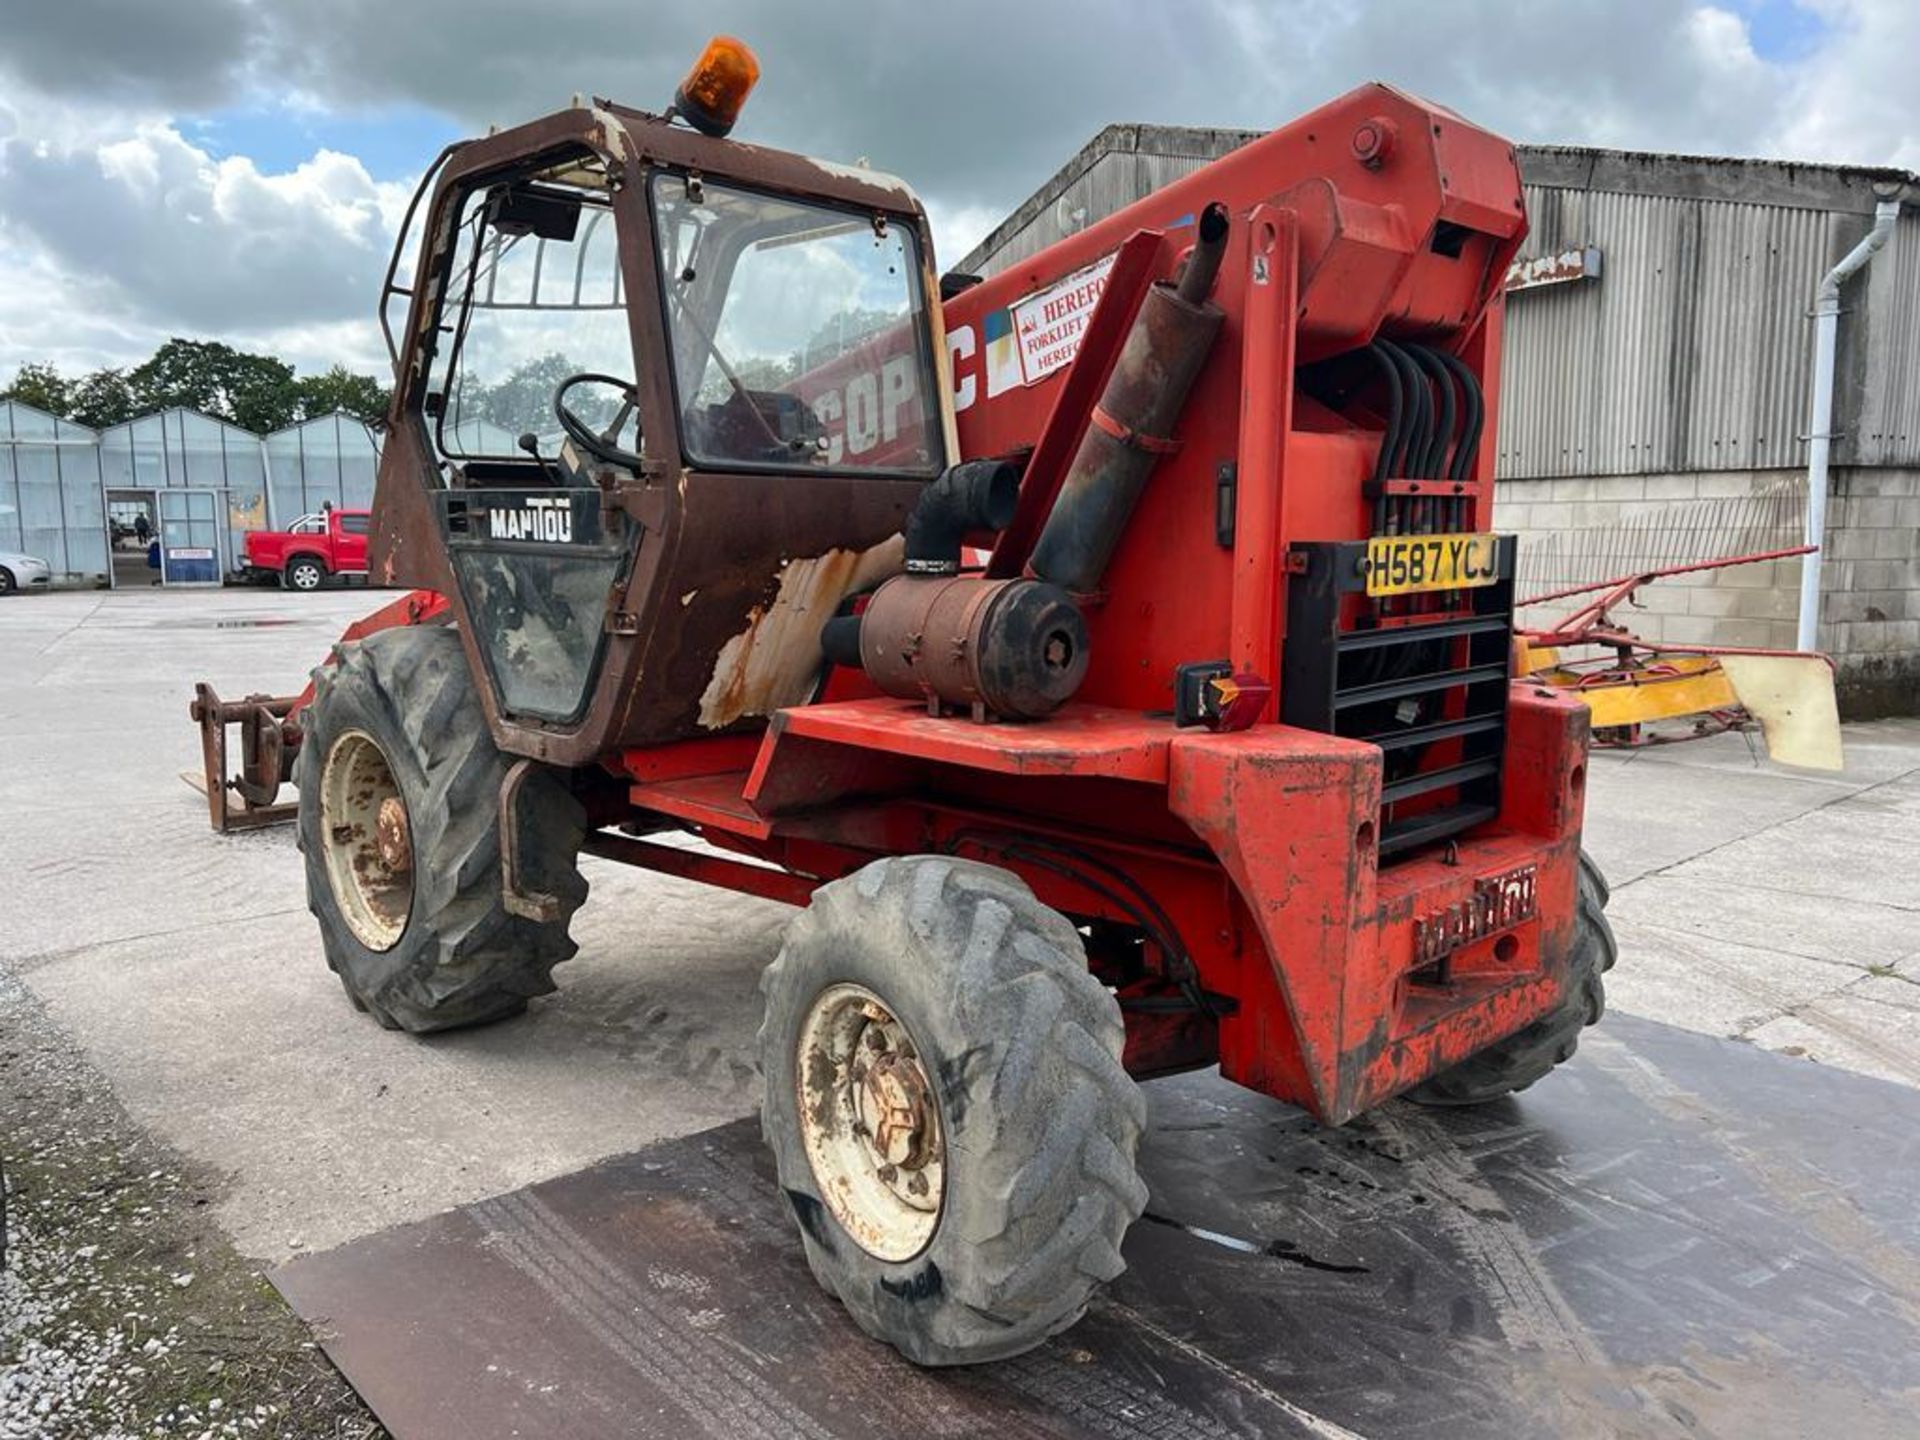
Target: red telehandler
<point>1113,657</point>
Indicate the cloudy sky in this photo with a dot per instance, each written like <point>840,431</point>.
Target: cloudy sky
<point>233,168</point>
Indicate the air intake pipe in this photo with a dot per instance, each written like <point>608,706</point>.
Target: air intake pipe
<point>1132,426</point>
<point>973,495</point>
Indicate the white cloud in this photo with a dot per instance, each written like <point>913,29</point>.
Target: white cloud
<point>1721,40</point>
<point>958,228</point>
<point>157,232</point>
<point>1854,98</point>
<point>47,315</point>
<point>118,228</point>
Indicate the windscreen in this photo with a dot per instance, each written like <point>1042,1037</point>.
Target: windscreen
<point>798,331</point>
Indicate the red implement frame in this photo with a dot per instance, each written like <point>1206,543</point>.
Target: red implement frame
<point>1637,666</point>
<point>1592,623</point>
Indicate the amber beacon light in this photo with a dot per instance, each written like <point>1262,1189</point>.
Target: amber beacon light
<point>711,97</point>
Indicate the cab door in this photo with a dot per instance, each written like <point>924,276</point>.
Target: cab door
<point>350,542</point>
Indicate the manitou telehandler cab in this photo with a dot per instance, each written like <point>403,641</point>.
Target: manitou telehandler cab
<point>1112,656</point>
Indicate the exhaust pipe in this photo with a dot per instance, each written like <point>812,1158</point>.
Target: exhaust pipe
<point>1133,423</point>
<point>1017,649</point>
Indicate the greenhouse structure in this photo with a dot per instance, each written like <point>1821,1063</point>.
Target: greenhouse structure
<point>76,498</point>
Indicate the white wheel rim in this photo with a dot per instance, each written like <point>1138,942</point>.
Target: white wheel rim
<point>366,837</point>
<point>305,577</point>
<point>870,1122</point>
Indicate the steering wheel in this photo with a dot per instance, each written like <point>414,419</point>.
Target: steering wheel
<point>601,444</point>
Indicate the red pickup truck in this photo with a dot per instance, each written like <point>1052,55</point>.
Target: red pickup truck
<point>302,556</point>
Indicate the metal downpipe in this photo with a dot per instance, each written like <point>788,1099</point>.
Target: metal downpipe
<point>1826,329</point>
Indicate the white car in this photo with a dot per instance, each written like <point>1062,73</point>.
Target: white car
<point>23,572</point>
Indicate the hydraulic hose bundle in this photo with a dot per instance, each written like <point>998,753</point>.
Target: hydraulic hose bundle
<point>1435,413</point>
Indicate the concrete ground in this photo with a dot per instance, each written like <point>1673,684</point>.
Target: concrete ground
<point>1749,900</point>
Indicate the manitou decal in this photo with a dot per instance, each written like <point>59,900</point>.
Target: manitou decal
<point>1498,902</point>
<point>548,518</point>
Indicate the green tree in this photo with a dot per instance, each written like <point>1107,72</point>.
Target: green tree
<point>255,392</point>
<point>341,389</point>
<point>43,387</point>
<point>845,331</point>
<point>524,400</point>
<point>101,399</point>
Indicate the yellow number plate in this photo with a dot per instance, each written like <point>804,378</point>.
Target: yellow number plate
<point>1404,564</point>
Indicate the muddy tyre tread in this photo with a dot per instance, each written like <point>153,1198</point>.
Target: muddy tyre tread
<point>1511,1065</point>
<point>1034,1098</point>
<point>464,959</point>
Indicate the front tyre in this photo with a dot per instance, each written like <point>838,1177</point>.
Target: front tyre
<point>947,1109</point>
<point>1511,1065</point>
<point>399,823</point>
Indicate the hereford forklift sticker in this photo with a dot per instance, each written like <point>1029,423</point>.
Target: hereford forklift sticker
<point>1050,323</point>
<point>1027,342</point>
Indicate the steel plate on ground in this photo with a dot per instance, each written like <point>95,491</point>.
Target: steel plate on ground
<point>1674,1236</point>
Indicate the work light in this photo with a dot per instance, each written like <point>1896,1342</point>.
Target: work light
<point>711,96</point>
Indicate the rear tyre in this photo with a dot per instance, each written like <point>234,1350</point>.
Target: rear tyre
<point>305,573</point>
<point>7,583</point>
<point>399,822</point>
<point>1513,1064</point>
<point>947,1109</point>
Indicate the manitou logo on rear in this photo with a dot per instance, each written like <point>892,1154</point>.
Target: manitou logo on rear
<point>1498,902</point>
<point>548,518</point>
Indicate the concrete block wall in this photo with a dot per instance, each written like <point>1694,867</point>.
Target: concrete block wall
<point>1591,527</point>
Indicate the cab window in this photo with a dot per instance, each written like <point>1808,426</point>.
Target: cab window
<point>798,332</point>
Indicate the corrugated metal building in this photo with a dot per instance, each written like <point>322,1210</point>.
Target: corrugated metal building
<point>1655,413</point>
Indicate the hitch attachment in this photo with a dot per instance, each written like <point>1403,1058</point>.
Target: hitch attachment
<point>269,741</point>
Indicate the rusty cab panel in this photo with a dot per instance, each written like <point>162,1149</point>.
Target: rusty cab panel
<point>776,320</point>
